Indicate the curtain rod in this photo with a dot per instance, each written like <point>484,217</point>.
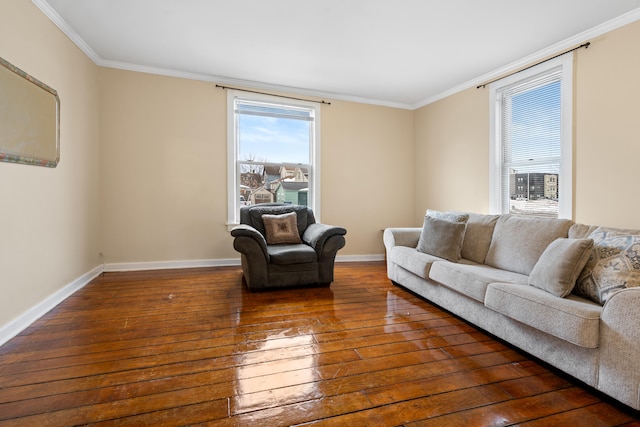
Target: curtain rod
<point>270,94</point>
<point>584,45</point>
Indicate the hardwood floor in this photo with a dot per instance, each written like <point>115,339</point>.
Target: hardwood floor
<point>182,347</point>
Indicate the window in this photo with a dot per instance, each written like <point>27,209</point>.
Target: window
<point>531,141</point>
<point>273,152</point>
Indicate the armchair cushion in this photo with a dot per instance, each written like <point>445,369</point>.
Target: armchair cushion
<point>281,229</point>
<point>292,254</point>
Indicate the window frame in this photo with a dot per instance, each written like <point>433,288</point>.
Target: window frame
<point>233,172</point>
<point>565,187</point>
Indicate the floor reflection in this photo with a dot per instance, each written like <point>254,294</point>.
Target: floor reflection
<point>264,376</point>
<point>279,365</point>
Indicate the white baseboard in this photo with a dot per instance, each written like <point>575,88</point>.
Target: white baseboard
<point>360,258</point>
<point>19,324</point>
<point>164,265</point>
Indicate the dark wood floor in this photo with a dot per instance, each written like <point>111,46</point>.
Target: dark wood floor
<point>181,347</point>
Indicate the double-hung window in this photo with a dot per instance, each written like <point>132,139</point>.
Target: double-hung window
<point>273,152</point>
<point>531,141</point>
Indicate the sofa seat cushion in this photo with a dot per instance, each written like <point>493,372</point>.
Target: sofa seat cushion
<point>291,254</point>
<point>410,259</point>
<point>471,279</point>
<point>573,319</point>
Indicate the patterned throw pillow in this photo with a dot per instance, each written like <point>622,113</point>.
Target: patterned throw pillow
<point>281,229</point>
<point>256,212</point>
<point>614,264</point>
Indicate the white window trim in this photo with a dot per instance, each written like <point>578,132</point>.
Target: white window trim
<point>232,153</point>
<point>565,189</point>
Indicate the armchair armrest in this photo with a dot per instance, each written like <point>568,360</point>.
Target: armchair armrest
<point>317,234</point>
<point>252,237</point>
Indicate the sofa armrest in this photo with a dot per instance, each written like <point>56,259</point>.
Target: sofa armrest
<point>619,371</point>
<point>407,236</point>
<point>401,236</point>
<point>317,234</point>
<point>248,240</point>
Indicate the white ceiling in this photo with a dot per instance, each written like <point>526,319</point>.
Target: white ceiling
<point>403,53</point>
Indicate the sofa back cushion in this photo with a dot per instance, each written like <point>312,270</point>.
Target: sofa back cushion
<point>477,237</point>
<point>518,241</point>
<point>581,231</point>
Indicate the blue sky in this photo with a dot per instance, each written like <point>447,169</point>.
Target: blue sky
<point>273,139</point>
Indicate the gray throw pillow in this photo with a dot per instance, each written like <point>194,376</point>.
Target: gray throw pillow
<point>448,216</point>
<point>560,265</point>
<point>441,238</point>
<point>477,237</point>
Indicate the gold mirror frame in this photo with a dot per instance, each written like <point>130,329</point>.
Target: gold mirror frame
<point>29,119</point>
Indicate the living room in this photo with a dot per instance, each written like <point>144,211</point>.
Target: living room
<point>142,179</point>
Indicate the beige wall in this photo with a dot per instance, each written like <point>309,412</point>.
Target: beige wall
<point>367,172</point>
<point>50,217</point>
<point>607,133</point>
<point>452,154</point>
<point>452,139</point>
<point>164,170</point>
<point>163,160</point>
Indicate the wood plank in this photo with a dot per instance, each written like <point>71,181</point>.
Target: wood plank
<point>192,346</point>
<point>514,411</point>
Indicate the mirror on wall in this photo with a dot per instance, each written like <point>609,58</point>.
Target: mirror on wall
<point>29,119</point>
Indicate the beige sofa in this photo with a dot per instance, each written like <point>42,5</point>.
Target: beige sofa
<point>499,273</point>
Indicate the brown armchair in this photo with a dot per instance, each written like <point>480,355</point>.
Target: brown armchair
<point>285,248</point>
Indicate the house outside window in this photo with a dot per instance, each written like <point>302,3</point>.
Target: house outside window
<point>273,152</point>
<point>531,141</point>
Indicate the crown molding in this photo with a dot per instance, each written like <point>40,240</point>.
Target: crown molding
<point>249,84</point>
<point>569,43</point>
<point>75,38</point>
<point>582,37</point>
<point>66,29</point>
